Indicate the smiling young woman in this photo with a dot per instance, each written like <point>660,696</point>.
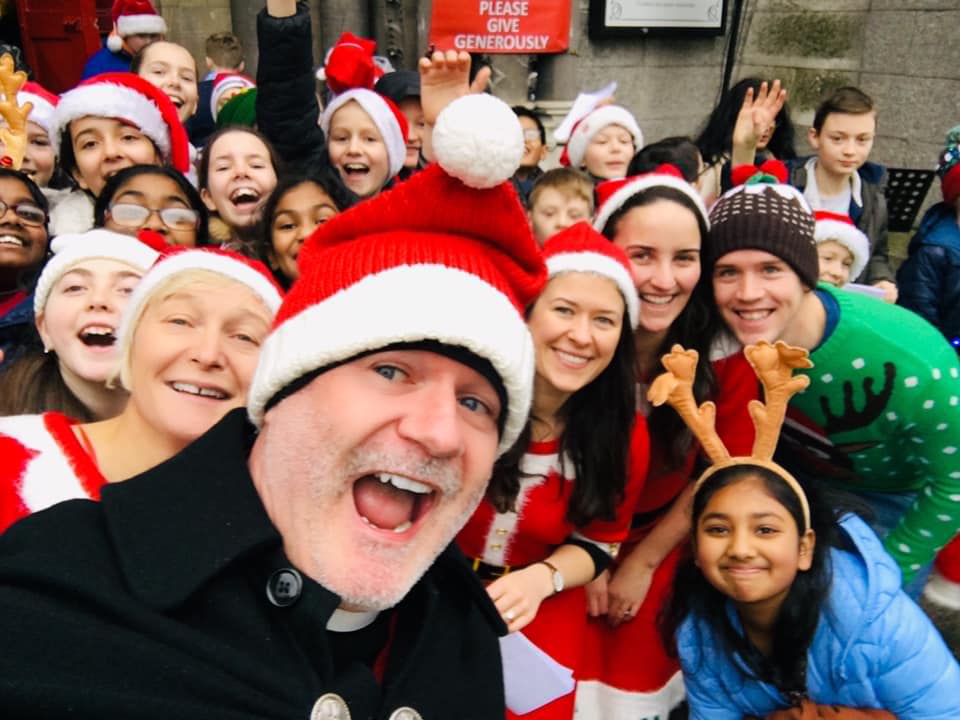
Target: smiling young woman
<point>186,349</point>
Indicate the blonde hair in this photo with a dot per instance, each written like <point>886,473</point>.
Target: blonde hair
<point>565,180</point>
<point>163,290</point>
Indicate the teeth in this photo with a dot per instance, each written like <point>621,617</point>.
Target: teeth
<point>245,194</point>
<point>197,390</point>
<point>754,315</point>
<point>572,359</point>
<point>98,330</point>
<point>210,392</point>
<point>10,240</point>
<point>355,166</point>
<point>403,527</point>
<point>404,483</point>
<point>657,299</point>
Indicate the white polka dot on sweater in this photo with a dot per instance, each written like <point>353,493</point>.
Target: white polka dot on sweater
<point>903,547</point>
<point>858,363</point>
<point>936,373</point>
<point>943,517</point>
<point>949,450</point>
<point>911,381</point>
<point>942,426</point>
<point>955,498</point>
<point>954,372</point>
<point>917,440</point>
<point>891,416</point>
<point>927,404</point>
<point>926,533</point>
<point>828,378</point>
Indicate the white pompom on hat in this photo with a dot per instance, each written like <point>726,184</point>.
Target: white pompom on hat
<point>99,244</point>
<point>840,228</point>
<point>391,123</point>
<point>385,273</point>
<point>591,124</point>
<point>580,248</point>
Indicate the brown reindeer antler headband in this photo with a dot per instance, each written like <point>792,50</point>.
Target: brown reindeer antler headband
<point>14,136</point>
<point>774,366</point>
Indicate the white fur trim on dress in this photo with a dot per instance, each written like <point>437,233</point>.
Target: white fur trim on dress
<point>69,250</point>
<point>586,129</point>
<point>49,477</point>
<point>645,182</point>
<point>193,260</point>
<point>848,235</point>
<point>112,101</point>
<point>478,139</point>
<point>141,25</point>
<point>382,115</point>
<point>599,264</point>
<point>598,701</point>
<point>407,303</point>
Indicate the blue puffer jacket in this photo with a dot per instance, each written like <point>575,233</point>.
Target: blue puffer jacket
<point>929,279</point>
<point>873,648</point>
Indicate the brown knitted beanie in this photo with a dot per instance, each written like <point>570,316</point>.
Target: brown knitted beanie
<point>764,216</point>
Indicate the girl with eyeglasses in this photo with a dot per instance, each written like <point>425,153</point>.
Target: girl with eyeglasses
<point>151,197</point>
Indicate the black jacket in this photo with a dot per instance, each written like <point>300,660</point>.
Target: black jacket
<point>154,604</point>
<point>287,108</point>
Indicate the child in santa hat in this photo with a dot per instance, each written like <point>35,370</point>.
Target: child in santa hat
<point>136,24</point>
<point>107,123</point>
<point>39,159</point>
<point>842,248</point>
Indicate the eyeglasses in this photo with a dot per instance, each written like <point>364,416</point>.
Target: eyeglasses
<point>531,134</point>
<point>135,216</point>
<point>27,212</point>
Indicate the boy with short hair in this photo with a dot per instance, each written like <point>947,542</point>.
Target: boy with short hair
<point>224,54</point>
<point>560,198</point>
<point>839,178</point>
<point>534,152</point>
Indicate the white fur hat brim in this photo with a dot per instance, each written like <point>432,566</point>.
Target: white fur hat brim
<point>141,25</point>
<point>71,250</point>
<point>646,182</point>
<point>381,114</point>
<point>42,111</point>
<point>851,237</point>
<point>594,262</point>
<point>602,117</point>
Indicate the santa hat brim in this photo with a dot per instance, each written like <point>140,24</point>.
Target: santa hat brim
<point>594,262</point>
<point>141,25</point>
<point>585,130</point>
<point>42,111</point>
<point>379,311</point>
<point>645,182</point>
<point>848,235</point>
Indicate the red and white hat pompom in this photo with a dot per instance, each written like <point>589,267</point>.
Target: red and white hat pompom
<point>614,194</point>
<point>130,98</point>
<point>840,228</point>
<point>99,244</point>
<point>44,103</point>
<point>580,248</point>
<point>391,123</point>
<point>479,140</point>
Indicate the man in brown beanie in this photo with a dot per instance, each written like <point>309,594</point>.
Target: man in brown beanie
<point>880,416</point>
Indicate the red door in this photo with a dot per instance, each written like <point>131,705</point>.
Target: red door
<point>58,37</point>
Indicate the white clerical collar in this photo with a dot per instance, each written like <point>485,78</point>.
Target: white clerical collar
<point>347,621</point>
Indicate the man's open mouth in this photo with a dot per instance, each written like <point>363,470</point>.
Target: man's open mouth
<point>395,503</point>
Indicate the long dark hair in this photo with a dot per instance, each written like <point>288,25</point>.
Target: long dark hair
<point>716,138</point>
<point>327,179</point>
<point>799,615</point>
<point>33,384</point>
<point>597,424</point>
<point>696,327</point>
<point>116,181</point>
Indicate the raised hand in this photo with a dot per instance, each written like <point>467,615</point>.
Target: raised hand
<point>14,135</point>
<point>757,118</point>
<point>445,76</point>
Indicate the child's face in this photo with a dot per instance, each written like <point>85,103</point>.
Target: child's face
<point>844,142</point>
<point>357,150</point>
<point>240,176</point>
<point>835,262</point>
<point>102,146</point>
<point>171,68</point>
<point>555,210</point>
<point>748,545</point>
<point>609,153</point>
<point>301,210</point>
<point>534,151</point>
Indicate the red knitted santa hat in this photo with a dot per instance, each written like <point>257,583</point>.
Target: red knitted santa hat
<point>130,98</point>
<point>387,272</point>
<point>614,194</point>
<point>385,114</point>
<point>580,248</point>
<point>44,102</point>
<point>133,17</point>
<point>840,228</point>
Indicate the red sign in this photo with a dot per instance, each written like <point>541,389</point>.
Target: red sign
<point>501,26</point>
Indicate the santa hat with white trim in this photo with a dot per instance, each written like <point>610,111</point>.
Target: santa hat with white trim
<point>580,248</point>
<point>385,114</point>
<point>127,97</point>
<point>840,228</point>
<point>612,195</point>
<point>44,102</point>
<point>134,17</point>
<point>224,82</point>
<point>591,124</point>
<point>99,244</point>
<point>386,273</point>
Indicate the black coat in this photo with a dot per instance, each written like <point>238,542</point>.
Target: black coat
<point>154,604</point>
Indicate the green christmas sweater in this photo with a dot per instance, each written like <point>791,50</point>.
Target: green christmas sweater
<point>885,388</point>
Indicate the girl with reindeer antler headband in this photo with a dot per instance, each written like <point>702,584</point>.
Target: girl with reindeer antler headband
<point>784,600</point>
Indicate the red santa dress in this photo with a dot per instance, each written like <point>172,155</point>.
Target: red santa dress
<point>42,463</point>
<point>625,672</point>
<point>533,532</point>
